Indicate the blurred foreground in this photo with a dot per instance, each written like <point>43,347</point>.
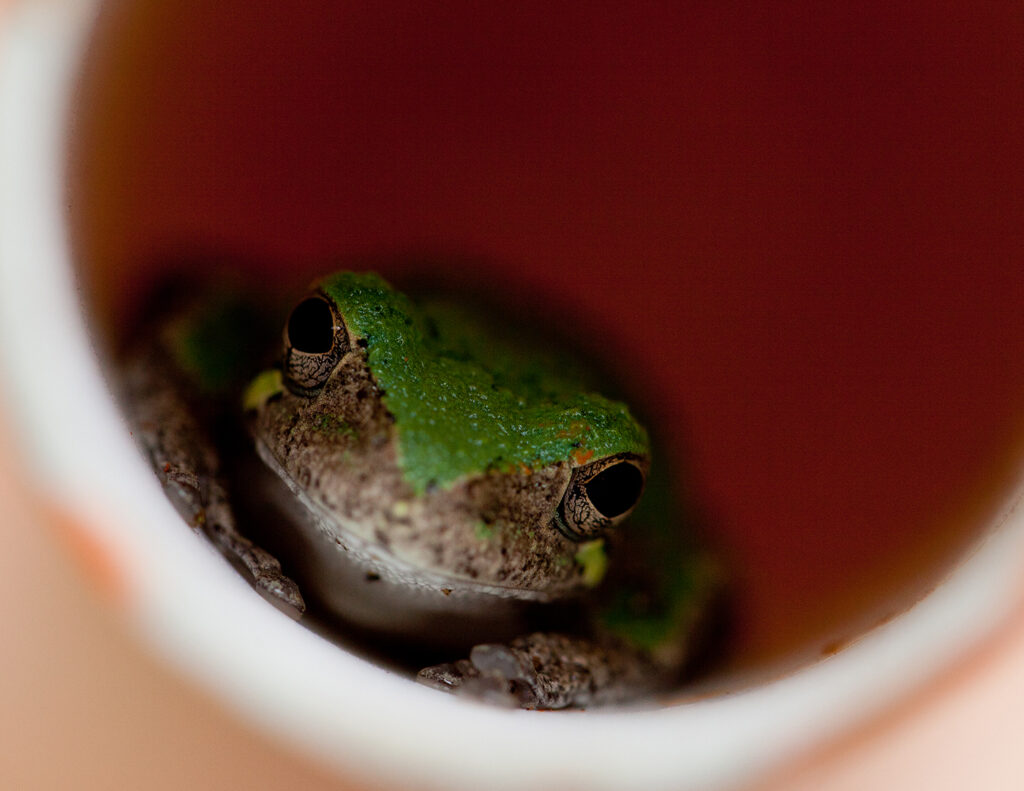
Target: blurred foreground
<point>85,707</point>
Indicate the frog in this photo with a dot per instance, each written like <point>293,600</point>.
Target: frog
<point>436,480</point>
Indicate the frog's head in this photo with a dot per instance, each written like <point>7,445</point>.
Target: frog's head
<point>459,449</point>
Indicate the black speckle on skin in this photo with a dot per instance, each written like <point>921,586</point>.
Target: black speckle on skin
<point>372,576</point>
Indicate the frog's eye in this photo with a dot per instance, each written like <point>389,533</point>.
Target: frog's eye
<point>600,495</point>
<point>315,340</point>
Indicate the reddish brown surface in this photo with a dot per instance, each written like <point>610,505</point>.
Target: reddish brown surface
<point>800,225</point>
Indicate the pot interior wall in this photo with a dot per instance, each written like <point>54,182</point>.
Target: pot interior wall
<point>798,231</point>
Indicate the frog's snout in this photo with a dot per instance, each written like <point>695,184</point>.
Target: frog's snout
<point>601,495</point>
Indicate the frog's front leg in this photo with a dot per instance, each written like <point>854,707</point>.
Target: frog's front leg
<point>550,670</point>
<point>188,466</point>
<point>262,567</point>
<point>646,633</point>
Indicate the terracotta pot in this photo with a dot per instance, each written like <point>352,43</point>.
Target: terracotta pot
<point>796,234</point>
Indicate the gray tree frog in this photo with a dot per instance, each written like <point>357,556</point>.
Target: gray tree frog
<point>431,480</point>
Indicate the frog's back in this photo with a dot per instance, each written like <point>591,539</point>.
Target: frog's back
<point>469,395</point>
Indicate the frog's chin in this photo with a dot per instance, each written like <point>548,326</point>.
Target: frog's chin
<point>362,583</point>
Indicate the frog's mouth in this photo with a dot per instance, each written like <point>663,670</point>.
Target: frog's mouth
<point>372,557</point>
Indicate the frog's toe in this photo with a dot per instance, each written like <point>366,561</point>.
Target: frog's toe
<point>494,673</point>
<point>262,568</point>
<point>187,499</point>
<point>466,679</point>
<point>500,667</point>
<point>449,676</point>
<point>282,590</point>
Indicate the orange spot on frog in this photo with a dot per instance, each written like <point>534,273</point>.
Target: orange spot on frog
<point>582,455</point>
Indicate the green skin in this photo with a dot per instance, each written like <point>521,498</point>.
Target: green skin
<point>470,402</point>
<point>465,402</point>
